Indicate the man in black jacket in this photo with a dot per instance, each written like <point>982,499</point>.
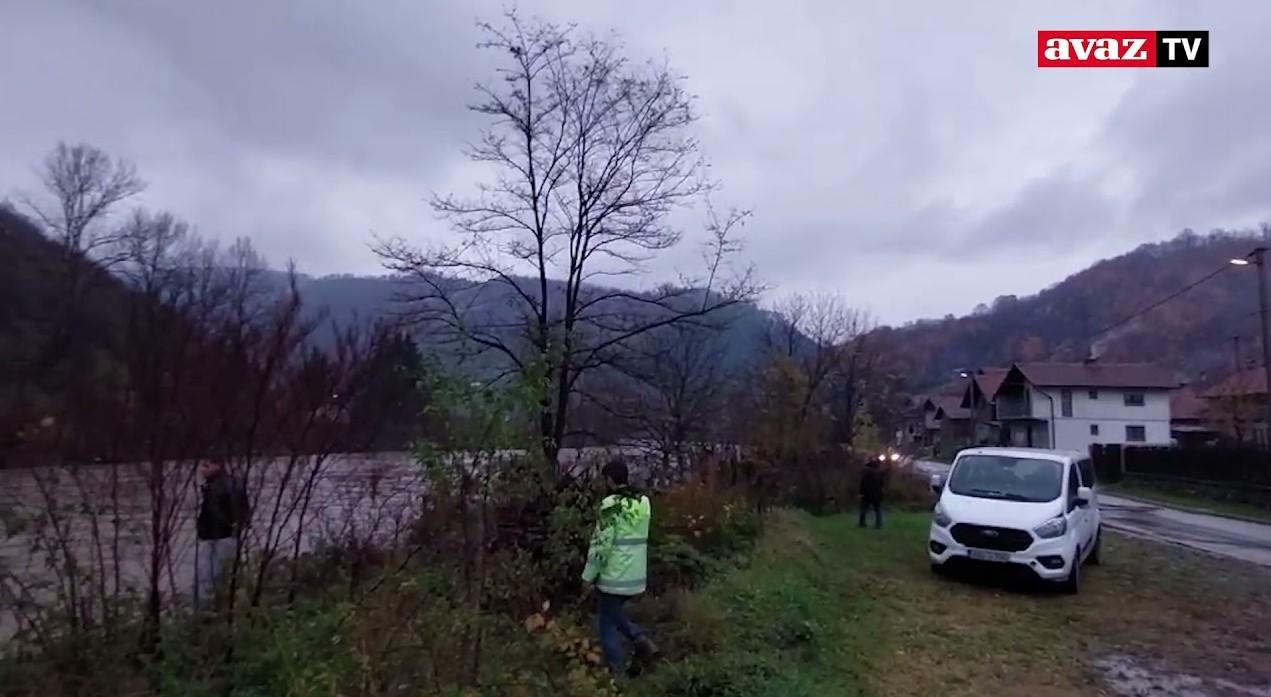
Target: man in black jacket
<point>221,514</point>
<point>872,484</point>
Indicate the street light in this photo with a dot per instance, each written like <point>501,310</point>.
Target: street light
<point>975,415</point>
<point>1258,257</point>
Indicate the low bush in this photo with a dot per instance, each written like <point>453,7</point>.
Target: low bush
<point>387,620</point>
<point>711,520</point>
<point>828,482</point>
<point>729,675</point>
<point>910,488</point>
<point>686,623</point>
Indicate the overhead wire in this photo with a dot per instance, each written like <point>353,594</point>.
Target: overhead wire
<point>1152,306</point>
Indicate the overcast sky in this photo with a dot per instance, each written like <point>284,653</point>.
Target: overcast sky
<point>908,154</point>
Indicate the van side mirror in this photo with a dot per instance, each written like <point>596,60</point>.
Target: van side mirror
<point>937,483</point>
<point>1084,496</point>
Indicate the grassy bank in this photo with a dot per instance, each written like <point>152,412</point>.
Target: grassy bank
<point>818,607</point>
<point>826,608</point>
<point>780,625</point>
<point>1190,500</point>
<point>402,620</point>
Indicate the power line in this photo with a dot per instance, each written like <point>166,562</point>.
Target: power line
<point>1223,324</point>
<point>1162,301</point>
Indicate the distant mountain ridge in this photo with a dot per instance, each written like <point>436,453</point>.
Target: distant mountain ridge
<point>346,299</point>
<point>1190,334</point>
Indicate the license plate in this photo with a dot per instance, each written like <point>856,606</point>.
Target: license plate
<point>985,555</point>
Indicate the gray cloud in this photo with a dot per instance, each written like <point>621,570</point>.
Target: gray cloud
<point>915,159</point>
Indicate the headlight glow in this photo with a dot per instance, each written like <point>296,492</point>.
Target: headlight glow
<point>1055,527</point>
<point>940,518</point>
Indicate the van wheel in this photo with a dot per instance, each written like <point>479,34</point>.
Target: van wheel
<point>1072,584</point>
<point>1094,551</point>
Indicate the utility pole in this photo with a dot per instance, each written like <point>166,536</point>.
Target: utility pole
<point>975,414</point>
<point>1259,258</point>
<point>1235,394</point>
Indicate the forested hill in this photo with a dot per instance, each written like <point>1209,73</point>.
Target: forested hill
<point>29,301</point>
<point>348,298</point>
<point>1191,333</point>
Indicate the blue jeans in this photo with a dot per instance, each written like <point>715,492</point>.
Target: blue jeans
<point>212,562</point>
<point>614,625</point>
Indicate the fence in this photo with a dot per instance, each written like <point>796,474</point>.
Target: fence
<point>1221,471</point>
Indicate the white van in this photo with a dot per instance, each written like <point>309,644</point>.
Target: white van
<point>1032,508</point>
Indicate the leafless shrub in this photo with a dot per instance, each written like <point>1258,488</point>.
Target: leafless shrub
<point>213,359</point>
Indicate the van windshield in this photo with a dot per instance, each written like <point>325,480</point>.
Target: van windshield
<point>1007,478</point>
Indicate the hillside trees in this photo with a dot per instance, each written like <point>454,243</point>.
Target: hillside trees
<point>1190,333</point>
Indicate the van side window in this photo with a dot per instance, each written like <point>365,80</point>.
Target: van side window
<point>1073,485</point>
<point>1087,472</point>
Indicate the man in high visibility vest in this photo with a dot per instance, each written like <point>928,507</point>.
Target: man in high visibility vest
<point>617,564</point>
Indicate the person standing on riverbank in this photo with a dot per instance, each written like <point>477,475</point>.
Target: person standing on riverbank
<point>873,482</point>
<point>222,514</point>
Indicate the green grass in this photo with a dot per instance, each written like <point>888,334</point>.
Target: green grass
<point>820,608</point>
<point>787,626</point>
<point>1194,501</point>
<point>825,608</point>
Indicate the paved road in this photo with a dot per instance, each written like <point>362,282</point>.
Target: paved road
<point>1239,539</point>
<point>1232,538</point>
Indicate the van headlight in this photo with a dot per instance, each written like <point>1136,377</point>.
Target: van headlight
<point>940,518</point>
<point>1055,527</point>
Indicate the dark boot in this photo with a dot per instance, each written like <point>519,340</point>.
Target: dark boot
<point>645,647</point>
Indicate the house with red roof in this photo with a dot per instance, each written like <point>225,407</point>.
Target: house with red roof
<point>1237,404</point>
<point>1071,406</point>
<point>1191,421</point>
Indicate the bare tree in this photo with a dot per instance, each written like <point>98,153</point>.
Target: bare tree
<point>174,284</point>
<point>82,186</point>
<point>592,153</point>
<point>675,390</point>
<point>85,184</point>
<point>842,366</point>
<point>822,335</point>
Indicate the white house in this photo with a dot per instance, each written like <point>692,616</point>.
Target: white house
<point>1072,406</point>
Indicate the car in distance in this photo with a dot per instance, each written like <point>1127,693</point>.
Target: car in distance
<point>1032,508</point>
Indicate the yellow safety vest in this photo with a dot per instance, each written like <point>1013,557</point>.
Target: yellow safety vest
<point>618,560</point>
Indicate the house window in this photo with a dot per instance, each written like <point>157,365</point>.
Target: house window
<point>1094,394</point>
<point>1136,434</point>
<point>1065,398</point>
<point>1133,399</point>
<point>1094,429</point>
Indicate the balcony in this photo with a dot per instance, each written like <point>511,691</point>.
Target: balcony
<point>1014,408</point>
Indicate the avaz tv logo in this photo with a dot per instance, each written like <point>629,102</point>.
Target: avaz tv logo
<point>1122,49</point>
